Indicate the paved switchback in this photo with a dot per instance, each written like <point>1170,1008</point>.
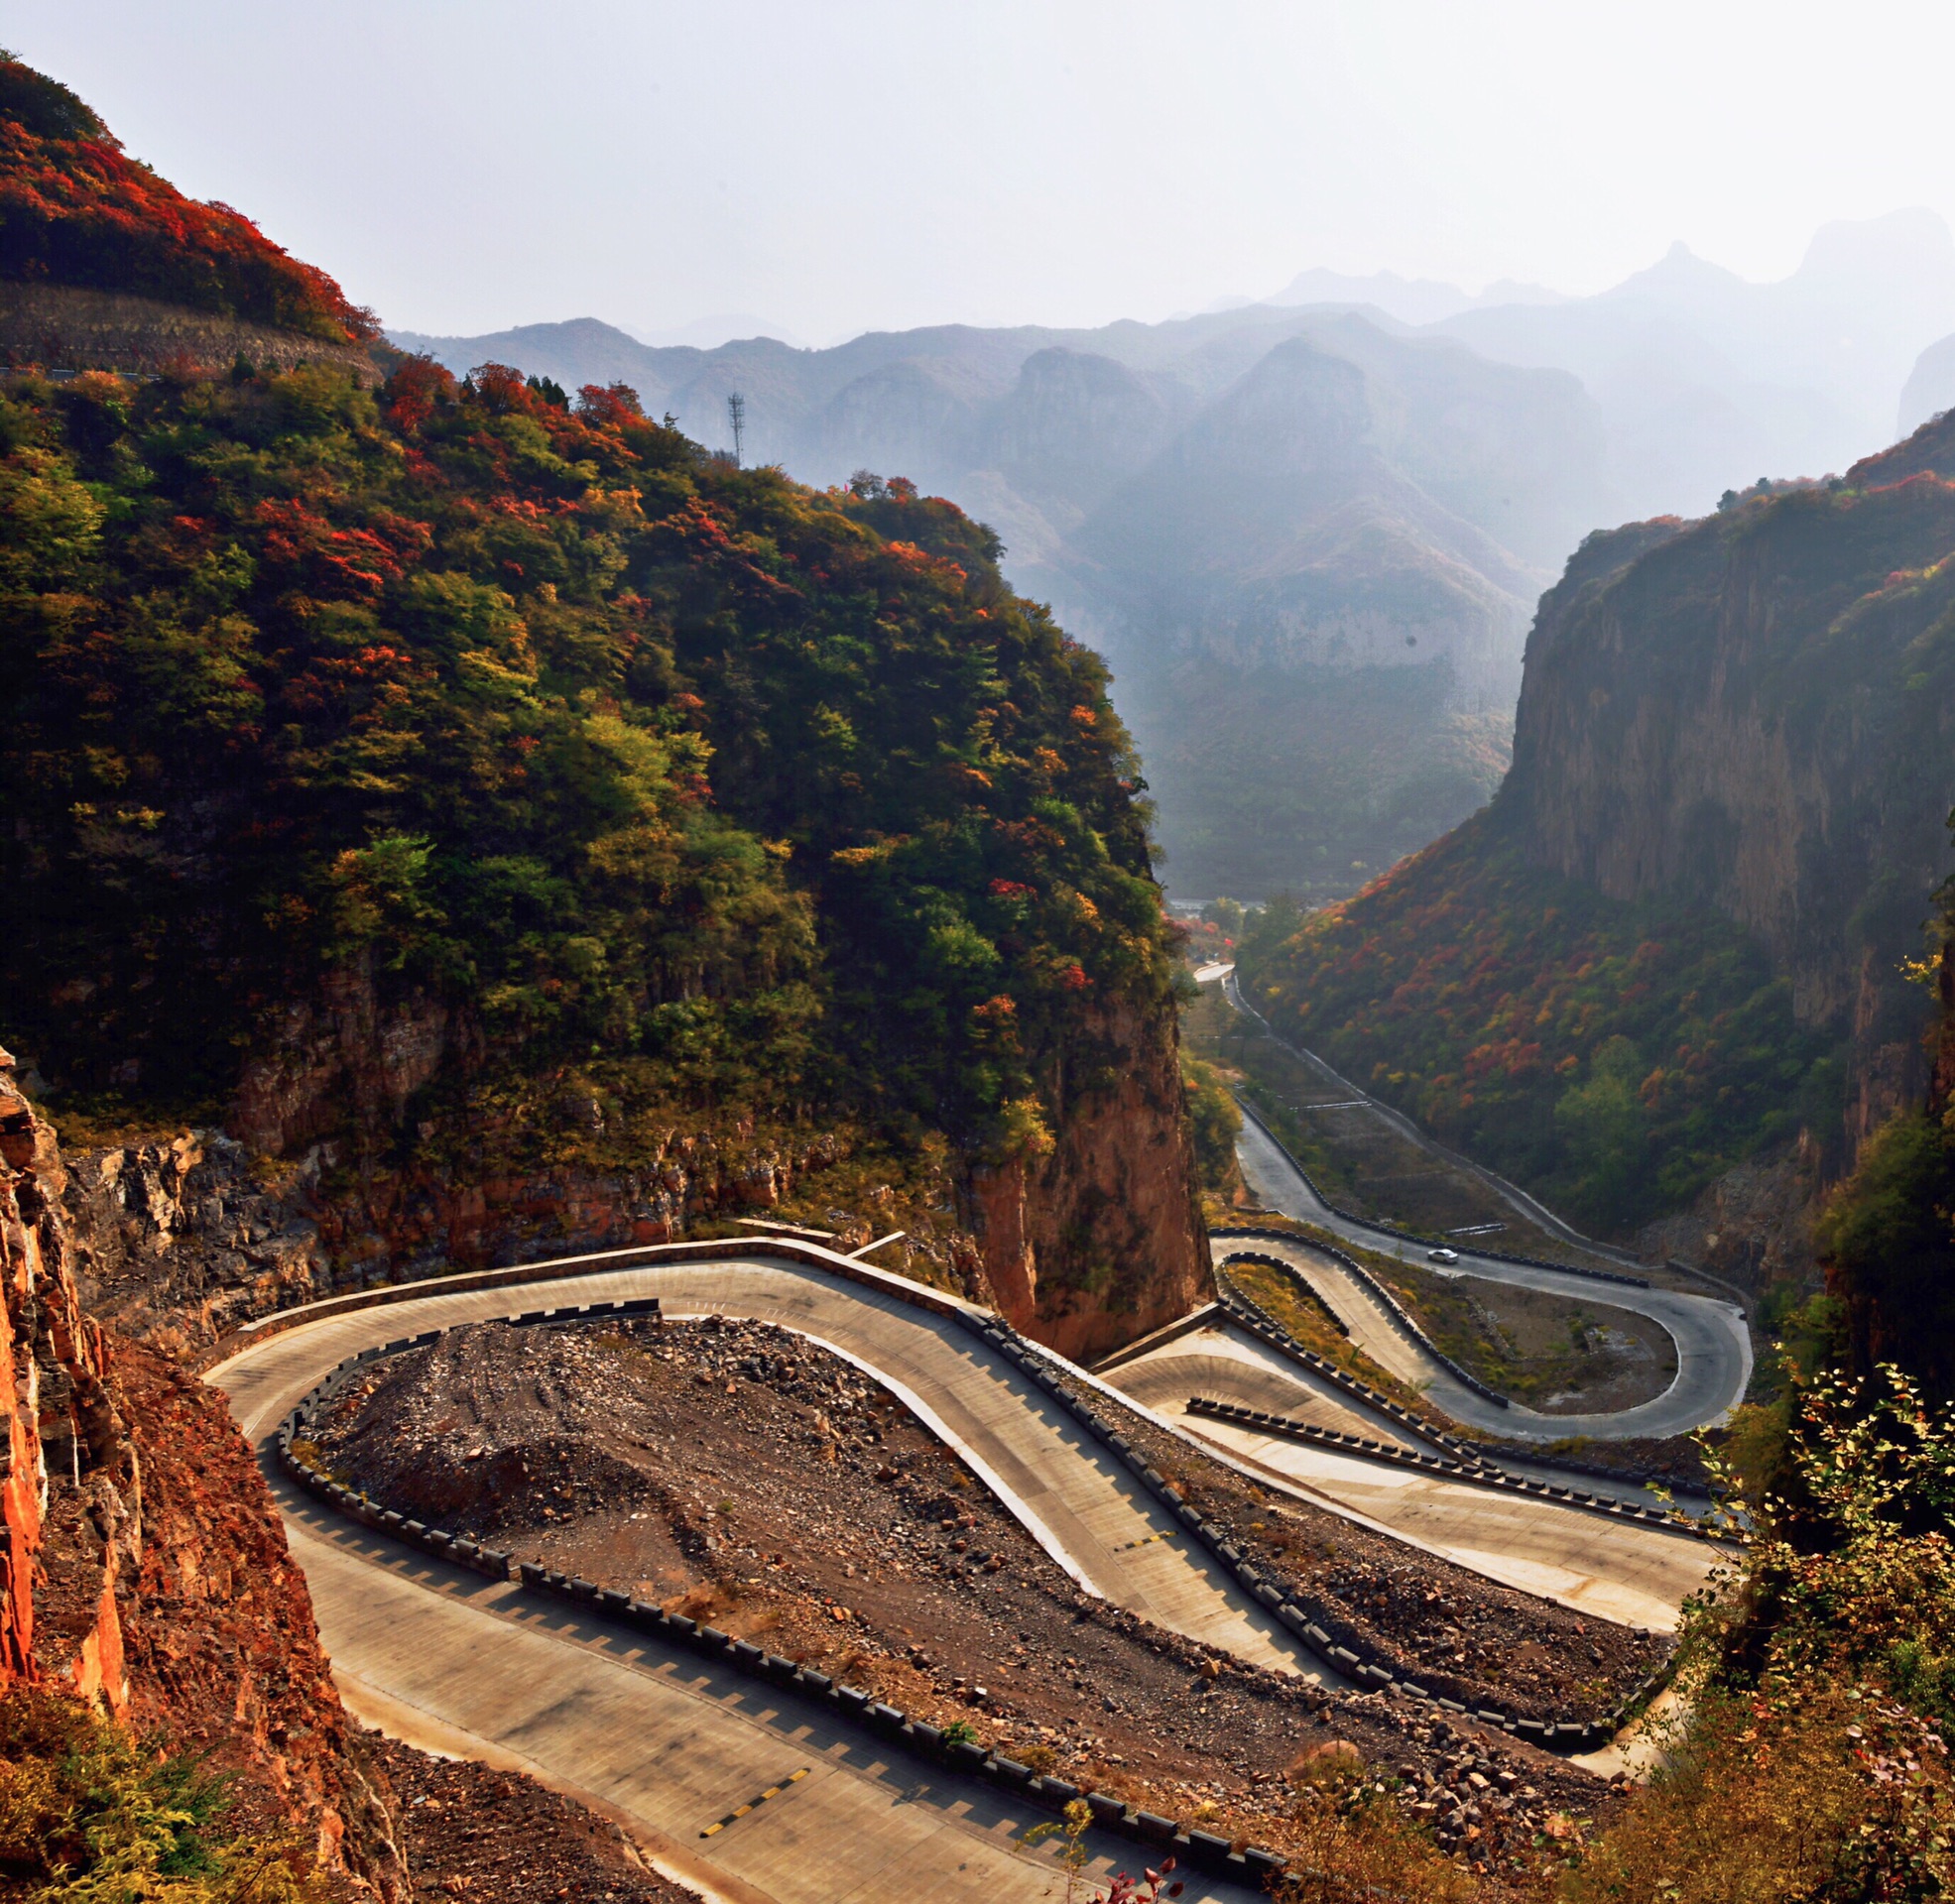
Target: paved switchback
<point>1713,1343</point>
<point>609,1714</point>
<point>1638,1576</point>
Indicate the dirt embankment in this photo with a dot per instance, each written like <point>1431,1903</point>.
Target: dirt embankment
<point>734,1472</point>
<point>469,1831</point>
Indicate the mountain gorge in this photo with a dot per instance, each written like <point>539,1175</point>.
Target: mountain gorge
<point>1676,939</point>
<point>1308,535</point>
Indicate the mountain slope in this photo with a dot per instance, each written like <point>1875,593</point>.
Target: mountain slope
<point>545,830</point>
<point>1705,380</point>
<point>1677,934</point>
<point>1305,542</point>
<point>75,211</point>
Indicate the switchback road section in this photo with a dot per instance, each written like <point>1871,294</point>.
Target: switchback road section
<point>647,1732</point>
<point>1713,1341</point>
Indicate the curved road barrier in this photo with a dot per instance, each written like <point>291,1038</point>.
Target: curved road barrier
<point>466,1661</point>
<point>1257,1320</point>
<point>1622,1567</point>
<point>1249,1866</point>
<point>1713,1342</point>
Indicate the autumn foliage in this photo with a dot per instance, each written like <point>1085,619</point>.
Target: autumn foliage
<point>76,209</point>
<point>739,798</point>
<point>1614,1057</point>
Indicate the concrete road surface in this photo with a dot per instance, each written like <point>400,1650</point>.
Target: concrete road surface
<point>1713,1342</point>
<point>1638,1576</point>
<point>655,1735</point>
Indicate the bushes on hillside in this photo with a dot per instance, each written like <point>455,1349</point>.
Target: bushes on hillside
<point>88,1813</point>
<point>1614,1057</point>
<point>681,783</point>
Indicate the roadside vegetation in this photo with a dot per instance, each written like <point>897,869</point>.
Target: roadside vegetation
<point>1290,1301</point>
<point>1613,1058</point>
<point>90,1814</point>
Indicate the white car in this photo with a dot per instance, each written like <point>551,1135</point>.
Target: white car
<point>1442,1255</point>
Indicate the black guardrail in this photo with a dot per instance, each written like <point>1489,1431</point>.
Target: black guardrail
<point>1249,1865</point>
<point>1251,1315</point>
<point>1299,1616</point>
<point>1408,1325</point>
<point>1365,1668</point>
<point>1476,1474</point>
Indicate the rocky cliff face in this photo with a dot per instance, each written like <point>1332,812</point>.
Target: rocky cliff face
<point>70,327</point>
<point>179,1239</point>
<point>143,1566</point>
<point>69,1455</point>
<point>1099,1241</point>
<point>1753,713</point>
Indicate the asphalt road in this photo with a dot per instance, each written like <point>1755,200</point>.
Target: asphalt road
<point>663,1741</point>
<point>1713,1342</point>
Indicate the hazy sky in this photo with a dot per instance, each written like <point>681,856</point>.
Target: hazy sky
<point>840,164</point>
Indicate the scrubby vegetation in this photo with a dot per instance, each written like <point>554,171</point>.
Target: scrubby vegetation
<point>88,1813</point>
<point>1216,1124</point>
<point>76,209</point>
<point>1813,1764</point>
<point>707,786</point>
<point>1613,1057</point>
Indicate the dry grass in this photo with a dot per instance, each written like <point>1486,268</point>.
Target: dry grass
<point>1832,1794</point>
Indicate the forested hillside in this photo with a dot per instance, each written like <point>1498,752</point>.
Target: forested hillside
<point>1306,542</point>
<point>76,210</point>
<point>1679,934</point>
<point>485,783</point>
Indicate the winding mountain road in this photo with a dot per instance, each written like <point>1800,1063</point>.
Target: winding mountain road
<point>1636,1574</point>
<point>645,1730</point>
<point>667,1743</point>
<point>1713,1341</point>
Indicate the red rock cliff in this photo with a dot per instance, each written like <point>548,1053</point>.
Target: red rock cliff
<point>142,1564</point>
<point>1100,1240</point>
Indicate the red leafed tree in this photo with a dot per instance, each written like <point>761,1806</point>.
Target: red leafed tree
<point>75,209</point>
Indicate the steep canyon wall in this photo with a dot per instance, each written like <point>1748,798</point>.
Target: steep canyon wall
<point>1753,713</point>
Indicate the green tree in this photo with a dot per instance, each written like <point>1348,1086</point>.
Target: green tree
<point>1604,1125</point>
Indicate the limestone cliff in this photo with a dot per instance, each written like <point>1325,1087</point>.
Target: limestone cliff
<point>1753,713</point>
<point>1100,1241</point>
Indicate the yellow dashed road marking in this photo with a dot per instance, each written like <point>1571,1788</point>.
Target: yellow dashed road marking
<point>741,1810</point>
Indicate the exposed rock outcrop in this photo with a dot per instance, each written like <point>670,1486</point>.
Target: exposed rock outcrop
<point>1099,1241</point>
<point>1754,712</point>
<point>1753,1228</point>
<point>70,327</point>
<point>69,1455</point>
<point>143,1565</point>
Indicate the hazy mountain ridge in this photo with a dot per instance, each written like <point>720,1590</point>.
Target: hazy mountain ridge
<point>1283,500</point>
<point>1677,934</point>
<point>1310,538</point>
